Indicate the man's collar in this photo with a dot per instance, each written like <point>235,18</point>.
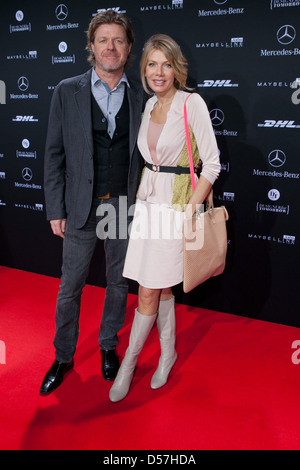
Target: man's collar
<point>96,79</point>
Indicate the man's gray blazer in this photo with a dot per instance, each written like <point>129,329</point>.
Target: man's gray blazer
<point>69,166</point>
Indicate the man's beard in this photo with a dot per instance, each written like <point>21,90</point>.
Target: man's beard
<point>111,68</point>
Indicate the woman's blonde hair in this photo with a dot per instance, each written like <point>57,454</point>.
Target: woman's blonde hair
<point>172,51</point>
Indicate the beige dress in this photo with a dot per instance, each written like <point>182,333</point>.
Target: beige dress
<point>155,251</point>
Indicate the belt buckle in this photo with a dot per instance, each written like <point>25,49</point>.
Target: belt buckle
<point>155,168</point>
<point>106,196</point>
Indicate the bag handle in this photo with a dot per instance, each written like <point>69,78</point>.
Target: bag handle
<point>188,141</point>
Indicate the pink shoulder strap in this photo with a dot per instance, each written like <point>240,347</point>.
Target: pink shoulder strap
<point>188,140</point>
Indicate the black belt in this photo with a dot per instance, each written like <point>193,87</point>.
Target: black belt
<point>178,170</point>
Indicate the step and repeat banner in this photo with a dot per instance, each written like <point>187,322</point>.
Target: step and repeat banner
<point>244,61</point>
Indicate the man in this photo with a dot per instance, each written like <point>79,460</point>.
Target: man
<point>91,159</point>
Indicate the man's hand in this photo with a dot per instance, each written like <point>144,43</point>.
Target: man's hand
<point>58,227</point>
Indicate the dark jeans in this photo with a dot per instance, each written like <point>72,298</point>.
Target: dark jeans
<point>78,249</point>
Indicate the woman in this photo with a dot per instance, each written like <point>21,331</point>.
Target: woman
<point>165,196</point>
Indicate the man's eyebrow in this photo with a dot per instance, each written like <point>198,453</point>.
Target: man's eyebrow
<point>115,37</point>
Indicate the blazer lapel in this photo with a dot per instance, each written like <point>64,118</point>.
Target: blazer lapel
<point>135,111</point>
<point>83,100</point>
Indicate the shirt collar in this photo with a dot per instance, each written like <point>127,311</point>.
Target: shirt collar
<point>97,80</point>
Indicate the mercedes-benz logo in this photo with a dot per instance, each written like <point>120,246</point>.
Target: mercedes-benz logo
<point>286,34</point>
<point>27,174</point>
<point>23,83</point>
<point>277,158</point>
<point>220,2</point>
<point>61,12</point>
<point>217,117</point>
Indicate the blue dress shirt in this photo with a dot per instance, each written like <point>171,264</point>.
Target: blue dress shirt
<point>109,101</point>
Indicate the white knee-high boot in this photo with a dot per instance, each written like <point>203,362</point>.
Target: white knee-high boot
<point>166,324</point>
<point>140,330</point>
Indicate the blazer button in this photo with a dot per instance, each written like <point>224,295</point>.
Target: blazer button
<point>89,181</point>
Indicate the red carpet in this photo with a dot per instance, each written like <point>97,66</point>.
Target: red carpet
<point>234,385</point>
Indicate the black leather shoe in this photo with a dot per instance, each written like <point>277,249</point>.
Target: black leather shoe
<point>54,376</point>
<point>110,364</point>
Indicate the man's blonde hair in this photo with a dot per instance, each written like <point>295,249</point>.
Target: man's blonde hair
<point>107,17</point>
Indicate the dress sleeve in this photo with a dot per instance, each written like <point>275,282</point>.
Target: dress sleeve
<point>199,120</point>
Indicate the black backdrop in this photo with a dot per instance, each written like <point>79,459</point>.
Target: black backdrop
<point>244,61</point>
